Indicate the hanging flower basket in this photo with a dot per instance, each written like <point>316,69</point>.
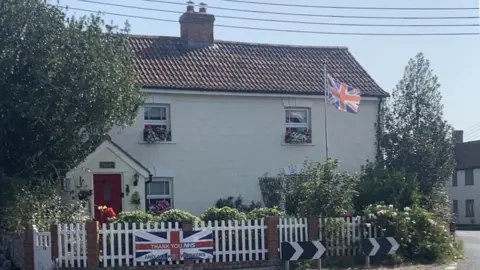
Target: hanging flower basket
<point>84,194</point>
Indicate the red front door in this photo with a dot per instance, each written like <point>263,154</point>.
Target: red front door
<point>107,190</point>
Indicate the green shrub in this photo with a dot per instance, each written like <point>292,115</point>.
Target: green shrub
<point>134,217</point>
<point>224,213</point>
<point>237,203</point>
<point>378,184</point>
<point>319,189</point>
<point>422,234</point>
<point>260,213</point>
<point>176,215</point>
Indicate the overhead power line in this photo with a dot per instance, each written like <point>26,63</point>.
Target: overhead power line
<point>290,21</point>
<point>283,30</point>
<point>339,7</point>
<point>326,15</point>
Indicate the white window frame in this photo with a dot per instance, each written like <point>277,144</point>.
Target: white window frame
<point>158,122</point>
<point>155,197</point>
<point>296,125</point>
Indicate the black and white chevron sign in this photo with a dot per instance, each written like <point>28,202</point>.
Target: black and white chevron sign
<point>294,251</point>
<point>379,246</point>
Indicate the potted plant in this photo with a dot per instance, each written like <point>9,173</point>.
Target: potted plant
<point>135,200</point>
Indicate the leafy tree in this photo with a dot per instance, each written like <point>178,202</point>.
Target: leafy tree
<point>319,190</point>
<point>64,83</point>
<point>415,137</point>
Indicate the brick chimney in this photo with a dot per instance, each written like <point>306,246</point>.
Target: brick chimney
<point>458,136</point>
<point>197,27</point>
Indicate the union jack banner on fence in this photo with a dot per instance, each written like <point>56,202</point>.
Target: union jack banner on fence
<point>173,245</point>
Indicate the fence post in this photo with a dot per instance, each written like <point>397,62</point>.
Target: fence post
<point>187,226</point>
<point>92,244</point>
<point>272,237</point>
<point>54,242</point>
<point>313,228</point>
<point>314,233</point>
<point>28,247</point>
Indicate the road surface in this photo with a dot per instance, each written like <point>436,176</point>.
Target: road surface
<point>471,241</point>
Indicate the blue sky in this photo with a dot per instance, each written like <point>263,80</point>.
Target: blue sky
<point>455,59</point>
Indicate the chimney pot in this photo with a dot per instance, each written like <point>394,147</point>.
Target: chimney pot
<point>203,7</point>
<point>190,6</point>
<point>458,136</point>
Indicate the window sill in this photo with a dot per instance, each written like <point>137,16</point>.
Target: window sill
<point>297,144</point>
<point>158,142</point>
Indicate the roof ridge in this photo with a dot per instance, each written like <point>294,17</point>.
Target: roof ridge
<point>248,43</point>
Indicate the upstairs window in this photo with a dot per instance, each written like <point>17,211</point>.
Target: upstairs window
<point>469,177</point>
<point>156,123</point>
<point>454,179</point>
<point>297,126</point>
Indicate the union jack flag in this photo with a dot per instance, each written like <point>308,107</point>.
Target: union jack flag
<point>173,246</point>
<point>343,96</point>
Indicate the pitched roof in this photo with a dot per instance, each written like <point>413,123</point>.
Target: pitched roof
<point>467,155</point>
<point>171,63</point>
<point>109,139</point>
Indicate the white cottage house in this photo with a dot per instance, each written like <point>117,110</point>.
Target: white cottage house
<point>464,186</point>
<point>217,115</point>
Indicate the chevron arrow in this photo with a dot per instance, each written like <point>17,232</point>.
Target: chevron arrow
<point>320,250</point>
<point>394,244</point>
<point>294,251</point>
<point>375,246</point>
<point>379,246</point>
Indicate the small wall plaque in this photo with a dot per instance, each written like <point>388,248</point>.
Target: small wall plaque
<point>107,165</point>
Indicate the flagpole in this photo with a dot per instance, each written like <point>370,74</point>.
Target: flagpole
<point>326,118</point>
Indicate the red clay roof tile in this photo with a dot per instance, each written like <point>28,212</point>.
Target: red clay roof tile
<point>171,63</point>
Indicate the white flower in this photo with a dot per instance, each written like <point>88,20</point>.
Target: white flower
<point>428,246</point>
<point>390,206</point>
<point>381,212</point>
<point>406,209</point>
<point>368,225</point>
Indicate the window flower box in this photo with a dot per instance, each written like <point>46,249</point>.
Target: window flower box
<point>156,133</point>
<point>298,137</point>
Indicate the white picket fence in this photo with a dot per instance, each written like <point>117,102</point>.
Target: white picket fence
<point>72,245</point>
<point>234,241</point>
